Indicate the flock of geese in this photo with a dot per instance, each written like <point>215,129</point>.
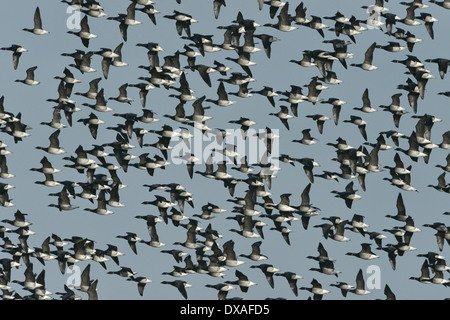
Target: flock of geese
<point>240,225</point>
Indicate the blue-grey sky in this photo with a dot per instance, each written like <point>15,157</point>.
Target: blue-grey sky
<point>426,206</point>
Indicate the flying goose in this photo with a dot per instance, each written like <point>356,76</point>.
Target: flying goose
<point>284,21</point>
<point>37,29</point>
<point>17,51</point>
<point>349,195</point>
<point>84,34</point>
<point>53,147</point>
<point>180,285</point>
<point>269,270</point>
<point>29,80</point>
<point>368,58</point>
<point>360,285</point>
<point>317,290</point>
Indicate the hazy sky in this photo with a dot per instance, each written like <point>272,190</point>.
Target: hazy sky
<point>426,206</point>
